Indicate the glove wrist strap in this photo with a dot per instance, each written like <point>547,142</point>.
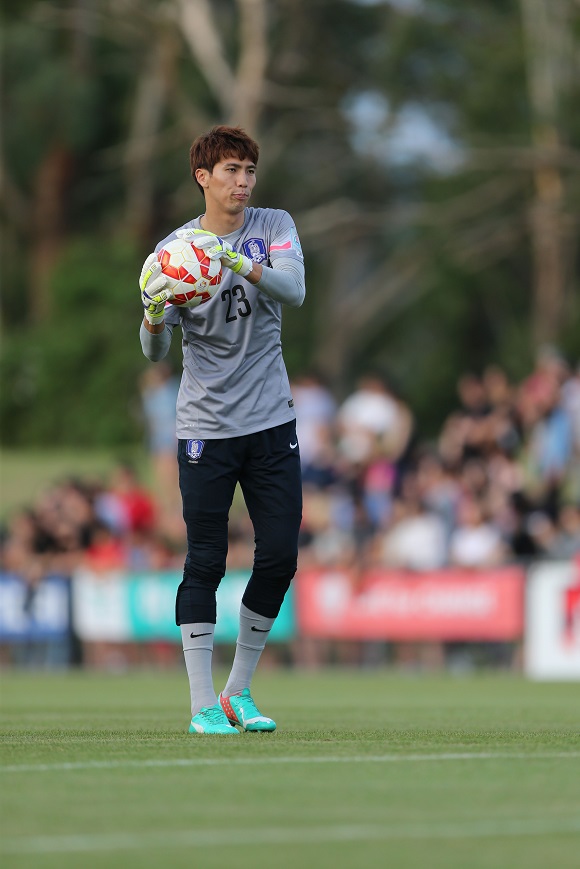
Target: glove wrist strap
<point>242,266</point>
<point>155,319</point>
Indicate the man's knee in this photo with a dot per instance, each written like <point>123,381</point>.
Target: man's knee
<point>205,566</point>
<point>274,568</point>
<point>277,553</point>
<point>207,545</point>
<point>265,594</point>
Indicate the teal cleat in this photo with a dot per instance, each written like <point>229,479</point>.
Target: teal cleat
<point>212,719</point>
<point>241,710</point>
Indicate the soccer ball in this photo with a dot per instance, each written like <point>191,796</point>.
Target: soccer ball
<point>191,274</point>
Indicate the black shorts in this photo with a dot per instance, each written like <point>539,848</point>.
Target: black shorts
<point>266,464</point>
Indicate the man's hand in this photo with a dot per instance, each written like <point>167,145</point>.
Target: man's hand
<point>216,248</point>
<point>154,292</point>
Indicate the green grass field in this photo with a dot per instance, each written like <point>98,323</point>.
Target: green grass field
<point>366,769</point>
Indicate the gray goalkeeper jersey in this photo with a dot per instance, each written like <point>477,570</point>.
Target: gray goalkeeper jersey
<point>234,379</point>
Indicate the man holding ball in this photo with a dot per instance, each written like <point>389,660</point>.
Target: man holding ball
<point>235,418</point>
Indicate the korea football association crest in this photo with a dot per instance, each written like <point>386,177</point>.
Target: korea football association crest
<point>194,450</point>
<point>255,249</point>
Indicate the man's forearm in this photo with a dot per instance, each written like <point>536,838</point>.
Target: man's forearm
<point>284,284</point>
<point>155,329</point>
<point>155,340</point>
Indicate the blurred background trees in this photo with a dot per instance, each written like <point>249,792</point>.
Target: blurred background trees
<point>427,150</point>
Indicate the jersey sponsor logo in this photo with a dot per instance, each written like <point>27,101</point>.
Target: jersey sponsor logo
<point>194,449</point>
<point>255,249</point>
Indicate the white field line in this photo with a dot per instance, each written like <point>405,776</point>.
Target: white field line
<point>70,766</point>
<point>91,842</point>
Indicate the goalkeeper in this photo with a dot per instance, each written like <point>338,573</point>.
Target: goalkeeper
<point>235,418</point>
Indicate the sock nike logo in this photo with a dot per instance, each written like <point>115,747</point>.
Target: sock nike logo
<point>207,634</point>
<point>261,630</point>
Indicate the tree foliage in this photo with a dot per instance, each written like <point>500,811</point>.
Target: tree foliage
<point>426,150</point>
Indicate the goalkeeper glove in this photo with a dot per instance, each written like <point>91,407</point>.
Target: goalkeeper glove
<point>154,292</point>
<point>216,248</point>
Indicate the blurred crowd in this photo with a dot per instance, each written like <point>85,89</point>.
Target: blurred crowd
<point>103,526</point>
<point>500,483</point>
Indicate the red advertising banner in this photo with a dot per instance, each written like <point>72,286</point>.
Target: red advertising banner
<point>398,605</point>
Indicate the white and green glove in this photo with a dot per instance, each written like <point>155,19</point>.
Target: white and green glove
<point>154,292</point>
<point>216,248</point>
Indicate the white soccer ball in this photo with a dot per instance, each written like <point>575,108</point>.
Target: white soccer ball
<point>191,274</point>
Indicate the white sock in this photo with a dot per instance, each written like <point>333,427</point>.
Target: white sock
<point>254,631</point>
<point>197,641</point>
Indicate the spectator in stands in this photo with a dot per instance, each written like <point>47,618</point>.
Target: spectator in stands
<point>159,387</point>
<point>475,412</point>
<point>475,542</point>
<point>125,505</point>
<point>106,551</point>
<point>438,489</point>
<point>571,403</point>
<point>315,415</point>
<point>548,447</point>
<point>566,542</point>
<point>377,483</point>
<point>373,419</point>
<point>326,534</point>
<point>542,530</point>
<point>374,430</point>
<point>416,537</point>
<point>551,440</point>
<point>62,517</point>
<point>498,391</point>
<point>22,547</point>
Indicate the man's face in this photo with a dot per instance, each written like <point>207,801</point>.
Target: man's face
<point>230,184</point>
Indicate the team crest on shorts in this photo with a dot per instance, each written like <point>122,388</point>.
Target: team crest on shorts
<point>255,249</point>
<point>194,449</point>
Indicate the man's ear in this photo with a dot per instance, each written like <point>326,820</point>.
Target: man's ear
<point>202,177</point>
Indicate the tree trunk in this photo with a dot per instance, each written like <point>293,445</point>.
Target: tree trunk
<point>548,256</point>
<point>240,92</point>
<point>548,51</point>
<point>150,100</point>
<point>47,228</point>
